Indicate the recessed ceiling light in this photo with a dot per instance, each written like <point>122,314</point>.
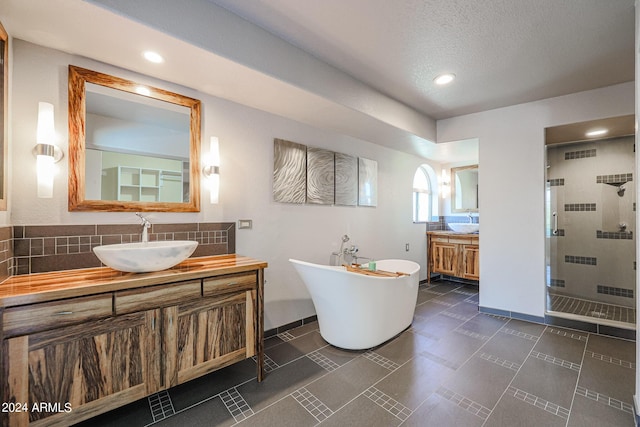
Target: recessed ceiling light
<point>596,132</point>
<point>444,79</point>
<point>153,57</point>
<point>143,90</point>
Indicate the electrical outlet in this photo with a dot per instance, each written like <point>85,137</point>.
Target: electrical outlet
<point>406,247</point>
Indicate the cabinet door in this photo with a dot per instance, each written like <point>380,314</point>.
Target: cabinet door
<point>205,335</point>
<point>444,258</point>
<point>471,262</point>
<point>83,370</point>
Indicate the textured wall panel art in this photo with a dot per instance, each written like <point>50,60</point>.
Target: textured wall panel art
<point>289,171</point>
<point>320,176</point>
<point>346,180</point>
<point>367,182</point>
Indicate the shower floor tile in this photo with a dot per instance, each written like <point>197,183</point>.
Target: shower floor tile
<point>596,310</point>
<point>454,366</point>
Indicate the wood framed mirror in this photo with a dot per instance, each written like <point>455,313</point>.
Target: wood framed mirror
<point>4,108</point>
<point>464,189</point>
<point>132,147</point>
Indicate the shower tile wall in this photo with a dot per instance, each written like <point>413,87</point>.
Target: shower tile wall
<point>40,248</point>
<point>592,257</point>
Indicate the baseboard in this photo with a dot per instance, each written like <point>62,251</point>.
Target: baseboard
<point>283,328</point>
<point>511,314</point>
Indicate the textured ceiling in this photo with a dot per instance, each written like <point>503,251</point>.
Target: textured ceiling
<point>503,52</point>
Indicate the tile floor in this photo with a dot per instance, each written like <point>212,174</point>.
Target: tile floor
<point>453,367</point>
<point>597,310</point>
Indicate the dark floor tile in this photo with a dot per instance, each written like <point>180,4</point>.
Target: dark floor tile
<point>362,412</point>
<point>613,347</point>
<point>509,347</point>
<point>528,328</point>
<point>424,296</point>
<point>211,413</point>
<point>284,413</point>
<point>429,309</point>
<point>440,412</point>
<point>608,378</point>
<point>587,412</point>
<point>272,341</point>
<point>564,344</point>
<point>480,381</point>
<point>547,380</point>
<point>451,298</point>
<point>277,384</point>
<point>296,348</point>
<point>136,414</point>
<point>464,309</point>
<point>337,355</point>
<point>437,326</point>
<point>339,387</point>
<point>304,329</point>
<point>413,382</point>
<point>456,347</point>
<point>483,324</point>
<point>511,411</point>
<point>199,389</point>
<point>404,347</point>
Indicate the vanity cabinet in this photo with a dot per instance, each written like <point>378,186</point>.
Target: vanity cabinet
<point>71,359</point>
<point>453,254</point>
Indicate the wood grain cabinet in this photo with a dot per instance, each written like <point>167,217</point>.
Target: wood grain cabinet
<point>79,357</point>
<point>453,254</point>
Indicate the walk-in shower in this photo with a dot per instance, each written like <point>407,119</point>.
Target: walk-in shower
<point>590,223</point>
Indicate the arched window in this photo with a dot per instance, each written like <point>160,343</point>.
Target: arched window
<point>424,197</point>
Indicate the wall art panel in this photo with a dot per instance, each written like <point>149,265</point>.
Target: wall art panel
<point>367,182</point>
<point>289,171</point>
<point>320,176</point>
<point>346,180</point>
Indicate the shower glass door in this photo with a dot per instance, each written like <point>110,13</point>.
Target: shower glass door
<point>590,230</point>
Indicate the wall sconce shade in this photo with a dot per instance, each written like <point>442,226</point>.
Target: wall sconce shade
<point>47,154</point>
<point>212,170</point>
<point>445,184</point>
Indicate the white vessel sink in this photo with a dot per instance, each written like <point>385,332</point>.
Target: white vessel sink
<point>464,227</point>
<point>142,257</point>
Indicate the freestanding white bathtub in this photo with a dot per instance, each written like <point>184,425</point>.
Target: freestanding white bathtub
<point>357,311</point>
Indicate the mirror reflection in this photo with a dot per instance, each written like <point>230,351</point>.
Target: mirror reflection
<point>464,197</point>
<point>4,86</point>
<point>131,150</point>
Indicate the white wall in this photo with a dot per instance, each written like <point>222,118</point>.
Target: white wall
<point>511,158</point>
<point>280,231</point>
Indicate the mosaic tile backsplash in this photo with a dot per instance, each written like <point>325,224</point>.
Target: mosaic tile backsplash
<point>41,248</point>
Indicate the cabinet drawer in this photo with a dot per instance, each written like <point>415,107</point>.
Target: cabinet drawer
<point>228,283</point>
<point>444,239</point>
<point>461,240</point>
<point>153,297</point>
<point>43,316</point>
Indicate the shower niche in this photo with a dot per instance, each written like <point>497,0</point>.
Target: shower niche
<point>590,222</point>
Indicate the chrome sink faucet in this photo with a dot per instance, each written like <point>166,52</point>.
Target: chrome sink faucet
<point>145,227</point>
<point>470,217</point>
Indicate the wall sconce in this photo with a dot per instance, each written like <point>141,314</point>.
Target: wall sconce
<point>46,152</point>
<point>212,170</point>
<point>445,184</point>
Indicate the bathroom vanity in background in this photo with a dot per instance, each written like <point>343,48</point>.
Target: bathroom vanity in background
<point>78,343</point>
<point>453,254</point>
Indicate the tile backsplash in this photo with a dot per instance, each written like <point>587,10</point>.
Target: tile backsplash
<point>440,222</point>
<point>28,249</point>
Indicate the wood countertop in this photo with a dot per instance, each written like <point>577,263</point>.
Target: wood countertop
<point>42,287</point>
<point>452,233</point>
